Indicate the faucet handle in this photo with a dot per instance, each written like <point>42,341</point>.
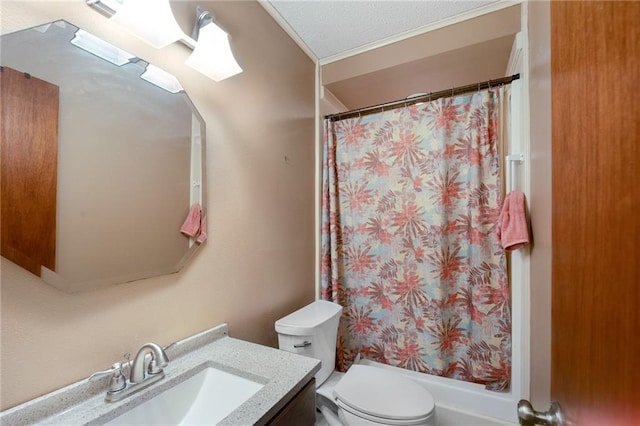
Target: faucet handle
<point>117,381</point>
<point>98,374</point>
<point>126,367</point>
<point>158,362</point>
<point>154,368</point>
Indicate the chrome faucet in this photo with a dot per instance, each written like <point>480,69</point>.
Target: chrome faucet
<point>149,361</point>
<point>146,369</point>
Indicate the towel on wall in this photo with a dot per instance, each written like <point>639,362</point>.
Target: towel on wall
<point>512,229</point>
<point>203,230</point>
<point>191,225</point>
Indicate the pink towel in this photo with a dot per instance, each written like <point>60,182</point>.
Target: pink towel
<point>512,229</point>
<point>203,230</point>
<point>191,225</point>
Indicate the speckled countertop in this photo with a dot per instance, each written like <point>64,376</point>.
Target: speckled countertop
<point>282,373</point>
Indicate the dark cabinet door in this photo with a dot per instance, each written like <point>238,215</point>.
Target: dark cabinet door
<point>29,144</point>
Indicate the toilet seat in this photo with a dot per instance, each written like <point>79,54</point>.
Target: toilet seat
<point>385,397</point>
<point>359,416</point>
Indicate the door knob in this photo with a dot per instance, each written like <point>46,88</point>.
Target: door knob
<point>527,416</point>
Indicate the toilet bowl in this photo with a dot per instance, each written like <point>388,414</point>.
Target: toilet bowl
<point>364,395</point>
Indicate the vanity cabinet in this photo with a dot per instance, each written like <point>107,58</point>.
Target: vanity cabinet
<point>300,411</point>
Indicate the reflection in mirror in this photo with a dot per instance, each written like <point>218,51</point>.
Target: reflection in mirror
<point>130,159</point>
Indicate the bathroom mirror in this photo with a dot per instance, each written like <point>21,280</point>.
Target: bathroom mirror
<point>130,160</point>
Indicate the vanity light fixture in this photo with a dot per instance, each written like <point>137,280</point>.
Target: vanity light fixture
<point>212,55</point>
<point>101,48</point>
<point>150,20</point>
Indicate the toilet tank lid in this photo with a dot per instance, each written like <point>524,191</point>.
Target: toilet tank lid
<point>384,394</point>
<point>304,321</point>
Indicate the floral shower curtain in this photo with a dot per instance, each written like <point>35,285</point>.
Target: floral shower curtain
<point>409,206</point>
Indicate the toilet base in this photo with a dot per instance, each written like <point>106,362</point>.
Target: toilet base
<point>323,401</point>
<point>326,388</point>
<point>330,418</point>
<point>324,393</point>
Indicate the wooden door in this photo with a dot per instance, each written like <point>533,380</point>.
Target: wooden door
<point>595,61</point>
<point>29,163</point>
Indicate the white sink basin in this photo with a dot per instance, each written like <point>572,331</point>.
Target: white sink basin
<point>205,398</point>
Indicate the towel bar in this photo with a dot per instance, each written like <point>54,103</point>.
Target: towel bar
<point>512,158</point>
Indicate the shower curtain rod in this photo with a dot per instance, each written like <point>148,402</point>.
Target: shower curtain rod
<point>421,98</point>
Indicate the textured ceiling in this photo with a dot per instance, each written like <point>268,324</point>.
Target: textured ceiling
<point>329,28</point>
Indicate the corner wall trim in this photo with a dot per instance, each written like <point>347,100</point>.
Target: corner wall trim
<point>287,28</point>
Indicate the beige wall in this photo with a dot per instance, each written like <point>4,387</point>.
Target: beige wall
<point>258,263</point>
<point>540,112</point>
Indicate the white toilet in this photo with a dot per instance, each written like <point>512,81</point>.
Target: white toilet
<point>364,395</point>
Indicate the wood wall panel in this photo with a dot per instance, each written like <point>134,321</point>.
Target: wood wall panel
<point>596,211</point>
<point>29,144</point>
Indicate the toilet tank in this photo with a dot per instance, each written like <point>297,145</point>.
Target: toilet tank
<point>311,331</point>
